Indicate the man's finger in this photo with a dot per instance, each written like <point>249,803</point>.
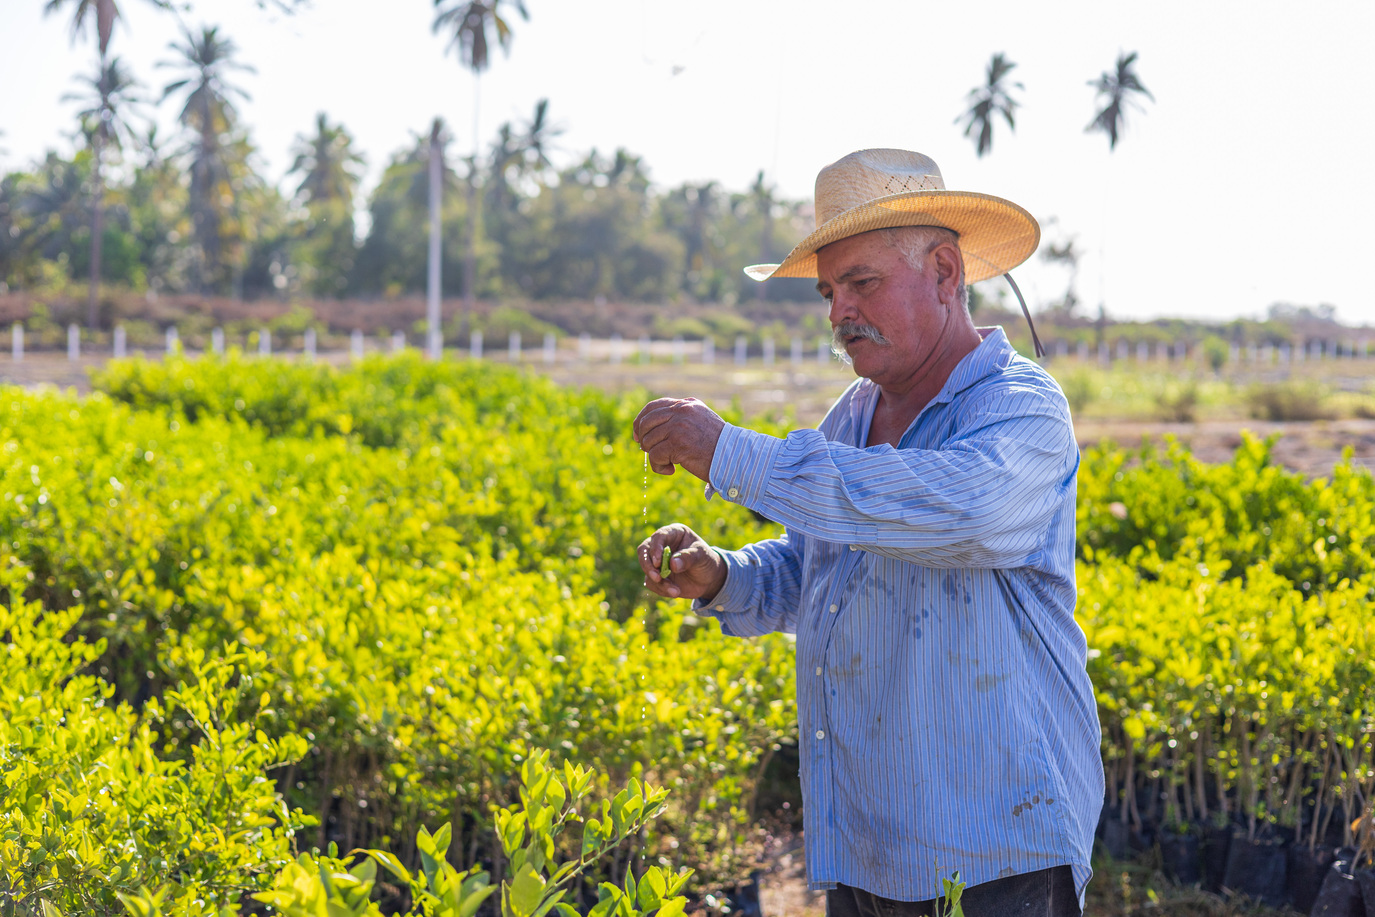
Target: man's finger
<point>692,556</point>
<point>651,416</point>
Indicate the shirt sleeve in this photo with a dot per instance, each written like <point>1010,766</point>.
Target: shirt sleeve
<point>762,588</point>
<point>983,499</point>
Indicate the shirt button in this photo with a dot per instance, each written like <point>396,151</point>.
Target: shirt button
<point>733,492</point>
<point>720,607</point>
<point>835,608</point>
<point>854,547</point>
<point>820,734</point>
<point>818,670</point>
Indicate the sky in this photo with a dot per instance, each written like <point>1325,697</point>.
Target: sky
<point>1246,182</point>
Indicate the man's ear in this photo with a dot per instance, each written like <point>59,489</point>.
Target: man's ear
<point>949,270</point>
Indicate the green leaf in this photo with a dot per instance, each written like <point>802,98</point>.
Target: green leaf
<point>672,907</point>
<point>392,864</point>
<point>471,898</point>
<point>652,888</point>
<point>441,840</point>
<point>424,842</point>
<point>524,892</point>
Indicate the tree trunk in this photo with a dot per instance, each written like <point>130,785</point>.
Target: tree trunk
<point>470,249</point>
<point>97,232</point>
<point>434,342</point>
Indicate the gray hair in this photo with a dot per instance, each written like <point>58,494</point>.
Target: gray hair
<point>914,243</point>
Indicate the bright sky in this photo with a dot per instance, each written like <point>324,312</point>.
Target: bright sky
<point>1247,182</point>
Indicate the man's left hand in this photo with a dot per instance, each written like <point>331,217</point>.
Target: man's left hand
<point>679,431</point>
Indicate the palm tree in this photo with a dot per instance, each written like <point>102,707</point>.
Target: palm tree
<point>105,13</point>
<point>988,101</point>
<point>328,165</point>
<point>434,343</point>
<point>208,111</point>
<point>537,139</point>
<point>112,92</point>
<point>1117,90</point>
<point>469,22</point>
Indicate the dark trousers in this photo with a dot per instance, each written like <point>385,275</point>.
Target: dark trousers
<point>1045,893</point>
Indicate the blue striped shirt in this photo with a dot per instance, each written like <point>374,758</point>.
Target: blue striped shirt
<point>946,718</point>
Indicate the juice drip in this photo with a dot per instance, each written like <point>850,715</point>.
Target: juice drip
<point>644,511</point>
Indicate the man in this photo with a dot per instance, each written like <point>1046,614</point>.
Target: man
<point>946,719</point>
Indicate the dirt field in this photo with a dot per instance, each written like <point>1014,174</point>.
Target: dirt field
<point>802,392</point>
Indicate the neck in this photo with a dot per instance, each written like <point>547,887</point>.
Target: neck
<point>901,400</point>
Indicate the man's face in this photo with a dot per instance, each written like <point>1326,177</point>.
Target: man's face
<point>867,282</point>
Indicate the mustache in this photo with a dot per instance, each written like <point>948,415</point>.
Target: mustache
<point>846,330</point>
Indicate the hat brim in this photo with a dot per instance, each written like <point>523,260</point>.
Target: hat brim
<point>995,235</point>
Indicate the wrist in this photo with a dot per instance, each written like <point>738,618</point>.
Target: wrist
<point>718,582</point>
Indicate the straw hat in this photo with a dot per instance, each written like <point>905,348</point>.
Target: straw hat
<point>882,189</point>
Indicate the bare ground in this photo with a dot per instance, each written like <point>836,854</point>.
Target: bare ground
<point>801,393</point>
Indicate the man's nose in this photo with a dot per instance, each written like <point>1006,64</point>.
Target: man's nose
<point>842,310</point>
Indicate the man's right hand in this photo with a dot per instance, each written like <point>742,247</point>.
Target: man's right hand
<point>697,572</point>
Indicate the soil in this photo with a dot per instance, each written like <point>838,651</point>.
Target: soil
<point>800,394</point>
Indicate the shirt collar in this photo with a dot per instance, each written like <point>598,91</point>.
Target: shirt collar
<point>993,355</point>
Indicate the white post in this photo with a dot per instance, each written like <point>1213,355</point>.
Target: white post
<point>310,344</point>
<point>1284,352</point>
<point>796,352</point>
<point>121,343</point>
<point>1061,349</point>
<point>615,349</point>
<point>1365,350</point>
<point>17,342</point>
<point>475,345</point>
<point>1267,354</point>
<point>708,350</point>
<point>398,341</point>
<point>768,351</point>
<point>823,350</point>
<point>678,349</point>
<point>265,342</point>
<point>1122,351</point>
<point>1143,352</point>
<point>356,344</point>
<point>549,349</point>
<point>513,347</point>
<point>644,348</point>
<point>1083,350</point>
<point>434,343</point>
<point>171,340</point>
<point>217,341</point>
<point>740,350</point>
<point>584,347</point>
<point>73,342</point>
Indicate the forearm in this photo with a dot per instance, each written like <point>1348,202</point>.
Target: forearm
<point>986,497</point>
<point>761,589</point>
